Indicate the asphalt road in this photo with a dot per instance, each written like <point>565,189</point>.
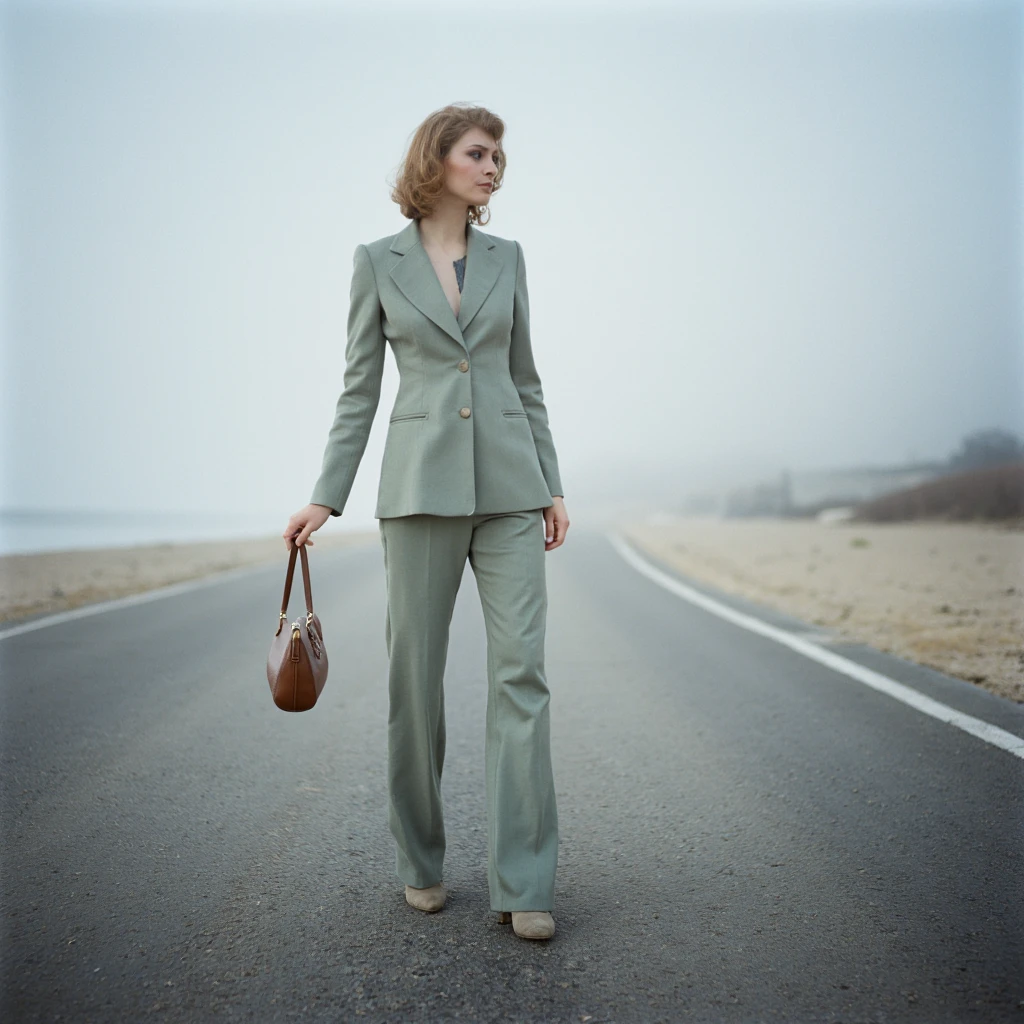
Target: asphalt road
<point>745,834</point>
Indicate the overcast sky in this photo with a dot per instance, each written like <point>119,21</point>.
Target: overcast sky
<point>758,236</point>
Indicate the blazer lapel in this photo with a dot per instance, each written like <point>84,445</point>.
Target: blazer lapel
<point>482,268</point>
<point>414,275</point>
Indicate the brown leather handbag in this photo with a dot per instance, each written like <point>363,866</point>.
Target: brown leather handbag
<point>297,663</point>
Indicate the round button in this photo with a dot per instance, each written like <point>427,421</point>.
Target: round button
<point>464,412</point>
<point>463,366</point>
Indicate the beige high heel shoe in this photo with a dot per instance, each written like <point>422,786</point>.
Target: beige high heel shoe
<point>430,899</point>
<point>529,924</point>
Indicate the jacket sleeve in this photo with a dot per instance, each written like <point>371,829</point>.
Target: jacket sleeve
<point>527,380</point>
<point>357,404</point>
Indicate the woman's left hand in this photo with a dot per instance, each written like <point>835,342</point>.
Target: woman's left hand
<point>556,522</point>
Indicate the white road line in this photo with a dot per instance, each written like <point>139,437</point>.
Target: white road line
<point>156,594</point>
<point>975,726</point>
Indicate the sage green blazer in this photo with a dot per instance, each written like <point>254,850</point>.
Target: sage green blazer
<point>468,432</point>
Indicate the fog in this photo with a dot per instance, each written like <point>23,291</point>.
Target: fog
<point>759,238</point>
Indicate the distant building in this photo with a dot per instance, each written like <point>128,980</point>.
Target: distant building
<point>850,486</point>
<point>796,493</point>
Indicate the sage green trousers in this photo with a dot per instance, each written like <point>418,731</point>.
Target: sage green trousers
<point>424,560</point>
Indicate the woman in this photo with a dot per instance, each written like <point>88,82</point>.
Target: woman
<point>469,471</point>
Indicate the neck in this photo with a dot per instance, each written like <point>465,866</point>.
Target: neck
<point>446,228</point>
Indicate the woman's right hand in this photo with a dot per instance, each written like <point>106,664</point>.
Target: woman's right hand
<point>303,523</point>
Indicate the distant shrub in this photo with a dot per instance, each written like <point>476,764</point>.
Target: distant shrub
<point>988,494</point>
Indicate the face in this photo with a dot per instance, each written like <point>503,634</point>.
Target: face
<point>471,166</point>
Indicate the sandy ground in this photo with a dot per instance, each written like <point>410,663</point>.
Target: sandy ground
<point>946,595</point>
<point>55,581</point>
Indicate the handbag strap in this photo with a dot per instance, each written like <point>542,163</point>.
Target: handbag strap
<point>295,550</point>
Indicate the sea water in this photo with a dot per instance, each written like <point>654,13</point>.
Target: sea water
<point>23,531</point>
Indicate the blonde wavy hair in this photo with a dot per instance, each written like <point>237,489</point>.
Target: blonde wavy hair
<point>420,181</point>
